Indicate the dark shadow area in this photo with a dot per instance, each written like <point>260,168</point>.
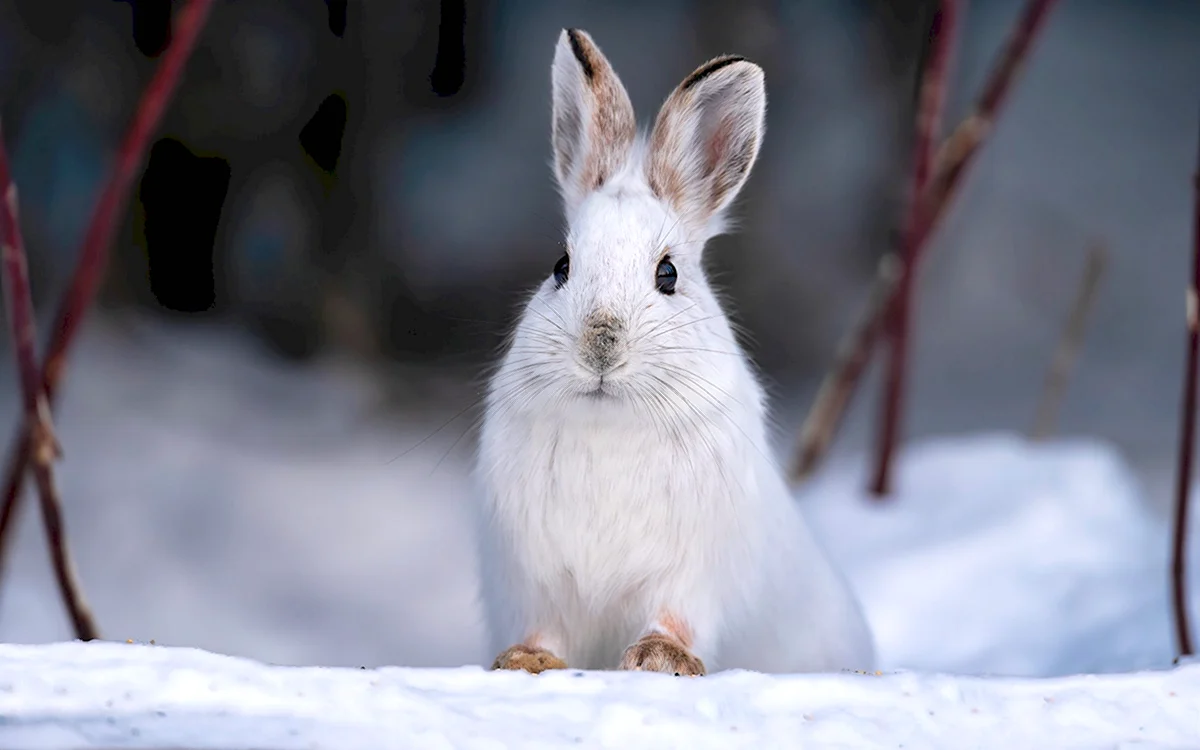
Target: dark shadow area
<point>321,137</point>
<point>182,195</point>
<point>449,68</point>
<point>337,17</point>
<point>151,25</point>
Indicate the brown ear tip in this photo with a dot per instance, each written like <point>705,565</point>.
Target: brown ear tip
<point>716,64</point>
<point>578,38</point>
<point>581,48</point>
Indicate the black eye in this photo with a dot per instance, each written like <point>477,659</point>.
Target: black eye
<point>561,270</point>
<point>666,276</point>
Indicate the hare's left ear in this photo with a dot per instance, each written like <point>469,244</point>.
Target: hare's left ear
<point>707,136</point>
<point>593,127</point>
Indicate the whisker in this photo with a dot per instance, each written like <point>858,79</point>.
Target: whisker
<point>542,315</point>
<point>443,426</point>
<point>681,326</point>
<point>690,379</point>
<point>644,335</point>
<point>696,350</point>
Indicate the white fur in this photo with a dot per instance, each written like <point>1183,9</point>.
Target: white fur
<point>601,514</point>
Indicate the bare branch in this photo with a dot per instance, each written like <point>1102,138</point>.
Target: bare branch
<point>929,116</point>
<point>1187,437</point>
<point>37,413</point>
<point>953,159</point>
<point>93,257</point>
<point>1070,342</point>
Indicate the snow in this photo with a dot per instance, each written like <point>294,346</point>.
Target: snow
<point>999,556</point>
<point>1000,576</point>
<point>115,695</point>
<point>218,498</point>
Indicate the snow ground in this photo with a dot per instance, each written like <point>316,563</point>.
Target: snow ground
<point>114,695</point>
<point>206,513</point>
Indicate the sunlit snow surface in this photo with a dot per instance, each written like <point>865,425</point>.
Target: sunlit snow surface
<point>115,695</point>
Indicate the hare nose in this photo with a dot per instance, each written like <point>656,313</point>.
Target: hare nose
<point>600,343</point>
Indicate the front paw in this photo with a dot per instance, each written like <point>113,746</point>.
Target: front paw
<point>532,660</point>
<point>661,653</point>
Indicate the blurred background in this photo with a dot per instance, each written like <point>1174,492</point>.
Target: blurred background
<point>269,420</point>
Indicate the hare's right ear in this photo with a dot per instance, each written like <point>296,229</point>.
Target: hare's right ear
<point>593,127</point>
<point>706,137</point>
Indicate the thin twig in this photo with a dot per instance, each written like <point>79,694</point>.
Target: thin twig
<point>37,412</point>
<point>953,159</point>
<point>20,300</point>
<point>853,354</point>
<point>93,257</point>
<point>1183,485</point>
<point>99,237</point>
<point>1069,343</point>
<point>933,94</point>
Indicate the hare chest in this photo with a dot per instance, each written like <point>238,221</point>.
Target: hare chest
<point>617,524</point>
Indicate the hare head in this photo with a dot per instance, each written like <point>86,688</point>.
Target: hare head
<point>627,316</point>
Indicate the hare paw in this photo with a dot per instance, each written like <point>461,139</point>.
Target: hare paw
<point>661,653</point>
<point>532,660</point>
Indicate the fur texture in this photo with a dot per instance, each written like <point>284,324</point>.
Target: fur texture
<point>633,516</point>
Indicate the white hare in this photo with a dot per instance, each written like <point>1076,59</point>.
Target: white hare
<point>633,517</point>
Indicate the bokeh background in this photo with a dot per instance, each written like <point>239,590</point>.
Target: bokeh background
<point>269,420</point>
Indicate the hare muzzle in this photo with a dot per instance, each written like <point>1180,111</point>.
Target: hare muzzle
<point>601,344</point>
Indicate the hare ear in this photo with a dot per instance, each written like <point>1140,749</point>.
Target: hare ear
<point>707,136</point>
<point>593,126</point>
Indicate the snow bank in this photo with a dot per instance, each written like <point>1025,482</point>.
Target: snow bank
<point>999,556</point>
<point>112,695</point>
<point>217,498</point>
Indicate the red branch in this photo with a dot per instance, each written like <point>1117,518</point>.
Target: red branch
<point>933,94</point>
<point>1183,485</point>
<point>953,159</point>
<point>93,258</point>
<point>111,206</point>
<point>18,296</point>
<point>929,117</point>
<point>36,412</point>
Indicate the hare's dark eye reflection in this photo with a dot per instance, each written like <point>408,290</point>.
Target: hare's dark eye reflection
<point>666,276</point>
<point>561,270</point>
